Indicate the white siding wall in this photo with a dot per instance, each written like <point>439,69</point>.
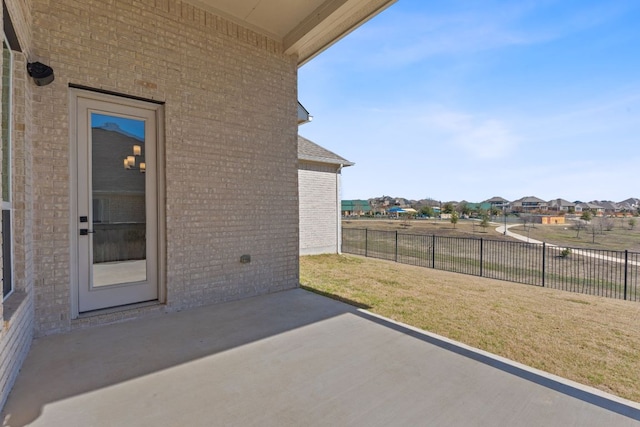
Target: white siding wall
<point>318,192</point>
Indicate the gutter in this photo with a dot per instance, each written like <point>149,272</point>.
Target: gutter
<point>339,211</point>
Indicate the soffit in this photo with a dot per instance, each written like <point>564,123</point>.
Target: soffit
<point>304,27</point>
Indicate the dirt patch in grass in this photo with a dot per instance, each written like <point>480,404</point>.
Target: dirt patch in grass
<point>591,340</point>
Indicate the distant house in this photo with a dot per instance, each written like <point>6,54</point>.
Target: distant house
<point>319,198</point>
<point>529,204</point>
<point>609,208</point>
<point>590,207</point>
<point>380,205</point>
<point>479,207</point>
<point>355,207</point>
<point>561,205</point>
<point>498,203</point>
<point>630,205</point>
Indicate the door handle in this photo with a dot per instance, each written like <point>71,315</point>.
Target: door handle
<point>85,232</point>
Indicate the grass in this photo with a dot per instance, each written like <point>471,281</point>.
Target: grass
<point>591,340</point>
<point>438,227</point>
<point>458,251</point>
<point>619,238</point>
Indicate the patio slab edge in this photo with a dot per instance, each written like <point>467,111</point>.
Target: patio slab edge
<point>562,385</point>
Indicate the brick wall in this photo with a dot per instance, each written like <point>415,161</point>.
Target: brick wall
<point>230,143</point>
<point>15,339</point>
<point>318,194</point>
<point>17,311</point>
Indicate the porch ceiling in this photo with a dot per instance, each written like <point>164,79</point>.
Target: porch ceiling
<point>305,27</point>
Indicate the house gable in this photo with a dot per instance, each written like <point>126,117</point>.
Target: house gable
<point>309,151</point>
<point>319,198</point>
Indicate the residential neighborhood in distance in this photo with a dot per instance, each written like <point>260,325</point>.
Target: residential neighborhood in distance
<point>494,206</point>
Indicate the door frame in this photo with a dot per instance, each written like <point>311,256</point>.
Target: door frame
<point>157,108</point>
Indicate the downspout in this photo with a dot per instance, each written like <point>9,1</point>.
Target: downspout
<point>339,210</point>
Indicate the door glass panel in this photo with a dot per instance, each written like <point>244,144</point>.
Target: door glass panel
<point>118,219</point>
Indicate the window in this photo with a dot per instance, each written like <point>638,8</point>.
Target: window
<point>7,247</point>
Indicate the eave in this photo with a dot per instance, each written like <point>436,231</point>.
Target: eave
<point>303,28</point>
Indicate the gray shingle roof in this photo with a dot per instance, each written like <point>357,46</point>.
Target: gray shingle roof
<point>561,203</point>
<point>310,151</point>
<point>497,199</point>
<point>531,199</point>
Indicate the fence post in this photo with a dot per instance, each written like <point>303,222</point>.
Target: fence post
<point>481,252</point>
<point>626,268</point>
<point>396,245</point>
<point>544,261</point>
<point>366,242</point>
<point>433,251</point>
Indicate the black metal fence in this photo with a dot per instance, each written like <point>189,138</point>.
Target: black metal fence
<point>612,274</point>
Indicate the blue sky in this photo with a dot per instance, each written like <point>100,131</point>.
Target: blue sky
<point>132,126</point>
<point>467,100</point>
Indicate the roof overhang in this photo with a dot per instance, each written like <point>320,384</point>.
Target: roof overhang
<point>303,115</point>
<point>304,28</point>
<point>325,160</point>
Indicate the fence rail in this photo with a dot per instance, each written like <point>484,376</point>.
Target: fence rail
<point>612,274</point>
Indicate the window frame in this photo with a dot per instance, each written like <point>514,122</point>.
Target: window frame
<point>7,205</point>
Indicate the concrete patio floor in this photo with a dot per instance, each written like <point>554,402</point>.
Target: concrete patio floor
<point>288,359</point>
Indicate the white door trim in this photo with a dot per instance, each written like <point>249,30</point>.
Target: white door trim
<point>77,96</point>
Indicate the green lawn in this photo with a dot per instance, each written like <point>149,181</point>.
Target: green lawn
<point>591,340</point>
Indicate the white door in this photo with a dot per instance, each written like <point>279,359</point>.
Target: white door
<point>116,217</point>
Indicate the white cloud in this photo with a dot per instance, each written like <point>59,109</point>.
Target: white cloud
<point>572,179</point>
<point>456,126</point>
<point>478,137</point>
<point>405,38</point>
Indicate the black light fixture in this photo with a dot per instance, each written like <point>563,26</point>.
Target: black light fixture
<point>41,74</point>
